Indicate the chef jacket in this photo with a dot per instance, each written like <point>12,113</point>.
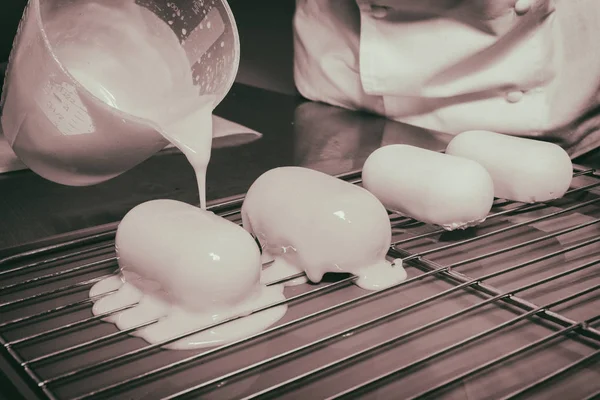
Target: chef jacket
<point>529,67</point>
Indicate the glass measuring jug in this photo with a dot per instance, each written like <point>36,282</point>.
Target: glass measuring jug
<point>95,87</point>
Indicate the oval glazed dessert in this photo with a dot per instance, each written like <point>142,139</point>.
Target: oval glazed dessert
<point>187,268</point>
<point>523,170</point>
<point>309,221</point>
<point>428,186</point>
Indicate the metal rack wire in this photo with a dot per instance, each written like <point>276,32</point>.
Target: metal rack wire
<point>518,295</point>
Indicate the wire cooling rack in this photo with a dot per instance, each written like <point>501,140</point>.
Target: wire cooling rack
<point>510,309</point>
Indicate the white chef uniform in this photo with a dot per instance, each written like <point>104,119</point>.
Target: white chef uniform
<point>520,67</point>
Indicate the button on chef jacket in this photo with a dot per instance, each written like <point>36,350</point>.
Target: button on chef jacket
<point>521,67</point>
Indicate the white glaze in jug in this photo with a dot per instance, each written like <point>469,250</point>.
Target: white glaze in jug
<point>94,88</point>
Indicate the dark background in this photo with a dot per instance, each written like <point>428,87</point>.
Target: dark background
<point>10,14</point>
<point>265,28</point>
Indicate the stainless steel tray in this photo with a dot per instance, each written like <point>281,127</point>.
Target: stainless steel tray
<point>510,309</point>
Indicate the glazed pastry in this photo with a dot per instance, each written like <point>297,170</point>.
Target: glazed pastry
<point>429,186</point>
<point>188,268</point>
<point>524,170</point>
<point>309,221</point>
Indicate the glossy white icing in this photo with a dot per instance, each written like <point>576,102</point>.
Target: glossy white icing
<point>188,268</point>
<point>522,169</point>
<point>309,221</point>
<point>431,187</point>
